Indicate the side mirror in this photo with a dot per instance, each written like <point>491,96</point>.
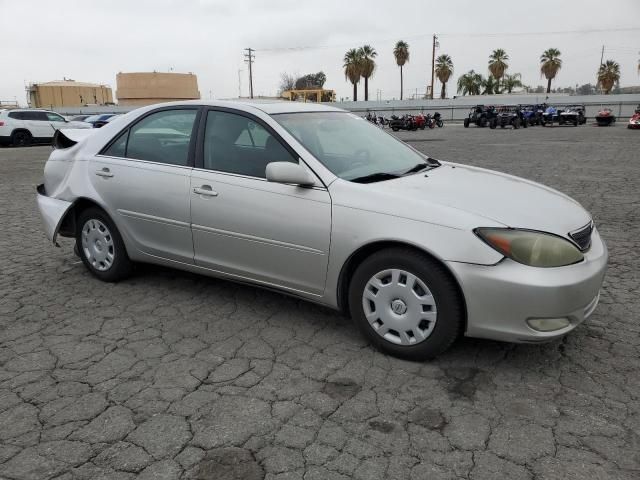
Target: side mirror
<point>288,172</point>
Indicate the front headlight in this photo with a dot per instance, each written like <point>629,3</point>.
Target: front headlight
<point>535,249</point>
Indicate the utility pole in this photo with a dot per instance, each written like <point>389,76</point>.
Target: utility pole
<point>249,58</point>
<point>433,63</point>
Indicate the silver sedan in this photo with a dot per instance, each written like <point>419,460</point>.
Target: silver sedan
<point>318,203</point>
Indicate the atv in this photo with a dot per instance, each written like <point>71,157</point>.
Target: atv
<point>605,118</point>
<point>510,116</point>
<point>481,116</point>
<point>572,115</point>
<point>532,113</point>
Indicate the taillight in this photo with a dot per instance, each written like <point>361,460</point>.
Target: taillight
<point>1,123</point>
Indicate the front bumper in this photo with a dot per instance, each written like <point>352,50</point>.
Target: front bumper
<point>52,211</point>
<point>501,298</point>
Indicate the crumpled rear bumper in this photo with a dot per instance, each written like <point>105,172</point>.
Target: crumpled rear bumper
<point>52,211</point>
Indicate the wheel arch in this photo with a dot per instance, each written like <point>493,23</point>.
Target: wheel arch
<point>365,251</point>
<point>68,223</point>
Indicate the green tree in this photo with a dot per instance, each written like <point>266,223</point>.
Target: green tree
<point>353,69</point>
<point>608,75</point>
<point>498,65</point>
<point>550,64</point>
<point>401,54</point>
<point>368,54</point>
<point>444,70</point>
<point>512,81</point>
<point>470,83</point>
<point>490,85</point>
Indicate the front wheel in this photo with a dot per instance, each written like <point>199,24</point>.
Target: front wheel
<point>406,304</point>
<point>440,124</point>
<point>466,123</point>
<point>100,246</point>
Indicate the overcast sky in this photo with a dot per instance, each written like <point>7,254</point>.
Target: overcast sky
<point>43,40</point>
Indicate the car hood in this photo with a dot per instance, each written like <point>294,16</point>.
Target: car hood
<point>461,196</point>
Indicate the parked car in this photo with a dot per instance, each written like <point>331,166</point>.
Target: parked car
<point>79,118</point>
<point>23,127</point>
<point>98,121</point>
<point>634,121</point>
<point>481,116</point>
<point>605,117</point>
<point>510,116</point>
<point>421,250</point>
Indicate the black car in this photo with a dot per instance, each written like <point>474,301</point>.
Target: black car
<point>99,120</point>
<point>79,118</point>
<point>481,116</point>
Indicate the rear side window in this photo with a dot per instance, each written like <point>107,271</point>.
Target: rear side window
<point>119,147</point>
<point>54,117</point>
<point>162,137</point>
<point>17,115</point>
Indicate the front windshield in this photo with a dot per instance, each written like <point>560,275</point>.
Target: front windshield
<point>349,146</point>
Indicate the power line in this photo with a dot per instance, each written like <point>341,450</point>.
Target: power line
<point>456,34</point>
<point>249,58</point>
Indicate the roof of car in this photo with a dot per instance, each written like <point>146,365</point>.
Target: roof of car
<point>270,107</point>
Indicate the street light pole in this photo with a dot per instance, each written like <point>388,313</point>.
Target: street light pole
<point>433,63</point>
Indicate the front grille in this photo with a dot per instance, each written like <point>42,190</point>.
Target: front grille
<point>582,237</point>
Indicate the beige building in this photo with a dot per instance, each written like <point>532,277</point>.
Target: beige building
<point>146,88</point>
<point>68,93</point>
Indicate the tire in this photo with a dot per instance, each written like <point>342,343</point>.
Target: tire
<point>483,122</point>
<point>516,123</point>
<point>440,124</point>
<point>21,138</point>
<point>466,123</point>
<point>395,129</point>
<point>524,123</point>
<point>493,124</point>
<point>103,253</point>
<point>442,329</point>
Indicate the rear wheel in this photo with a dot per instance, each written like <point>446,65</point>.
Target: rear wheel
<point>21,138</point>
<point>493,124</point>
<point>406,303</point>
<point>516,123</point>
<point>100,246</point>
<point>466,123</point>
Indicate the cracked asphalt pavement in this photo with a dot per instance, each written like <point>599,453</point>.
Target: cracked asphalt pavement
<point>171,375</point>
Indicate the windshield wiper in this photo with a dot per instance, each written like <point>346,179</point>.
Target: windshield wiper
<point>428,165</point>
<point>375,177</point>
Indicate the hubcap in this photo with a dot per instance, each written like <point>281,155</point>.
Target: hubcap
<point>97,245</point>
<point>399,307</point>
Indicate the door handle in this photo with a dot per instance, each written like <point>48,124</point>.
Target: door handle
<point>105,172</point>
<point>205,190</point>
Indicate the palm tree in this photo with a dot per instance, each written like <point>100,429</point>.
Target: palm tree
<point>444,69</point>
<point>550,63</point>
<point>470,83</point>
<point>512,81</point>
<point>490,85</point>
<point>353,69</point>
<point>608,75</point>
<point>368,54</point>
<point>401,53</point>
<point>498,65</point>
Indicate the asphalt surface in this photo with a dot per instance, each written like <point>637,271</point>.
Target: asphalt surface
<point>170,375</point>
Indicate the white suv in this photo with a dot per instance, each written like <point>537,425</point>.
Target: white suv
<point>24,127</point>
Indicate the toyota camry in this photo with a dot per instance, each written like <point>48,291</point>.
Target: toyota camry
<point>318,203</point>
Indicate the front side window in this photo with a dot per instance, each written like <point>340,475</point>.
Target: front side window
<point>162,137</point>
<point>236,144</point>
<point>349,146</point>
